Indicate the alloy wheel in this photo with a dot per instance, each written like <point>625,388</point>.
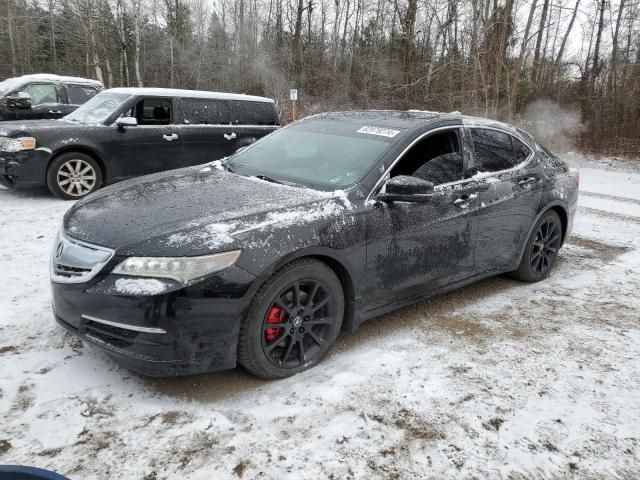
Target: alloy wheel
<point>76,177</point>
<point>298,323</point>
<point>545,247</point>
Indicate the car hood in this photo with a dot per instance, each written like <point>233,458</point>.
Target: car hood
<point>194,211</point>
<point>29,127</point>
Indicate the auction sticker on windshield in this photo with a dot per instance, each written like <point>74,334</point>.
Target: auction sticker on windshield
<point>383,132</point>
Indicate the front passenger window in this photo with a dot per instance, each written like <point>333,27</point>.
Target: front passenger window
<point>153,111</point>
<point>42,93</point>
<point>437,159</point>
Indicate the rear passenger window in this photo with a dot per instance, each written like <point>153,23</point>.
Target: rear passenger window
<point>252,113</point>
<point>494,150</point>
<point>205,112</point>
<point>520,149</point>
<point>79,94</point>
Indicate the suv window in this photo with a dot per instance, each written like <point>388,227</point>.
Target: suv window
<point>252,113</point>
<point>42,93</point>
<point>79,94</point>
<point>436,158</point>
<point>495,151</point>
<point>153,111</point>
<point>198,111</point>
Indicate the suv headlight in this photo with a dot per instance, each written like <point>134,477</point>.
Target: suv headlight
<point>181,269</point>
<point>17,144</point>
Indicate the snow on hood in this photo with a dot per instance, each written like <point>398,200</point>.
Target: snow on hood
<point>194,211</point>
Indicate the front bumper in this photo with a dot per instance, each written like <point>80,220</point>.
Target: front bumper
<point>27,166</point>
<point>182,331</point>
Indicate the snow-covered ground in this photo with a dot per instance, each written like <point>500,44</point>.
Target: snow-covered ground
<point>498,380</point>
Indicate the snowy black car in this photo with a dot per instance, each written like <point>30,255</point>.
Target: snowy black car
<point>127,132</point>
<point>43,96</point>
<point>263,259</point>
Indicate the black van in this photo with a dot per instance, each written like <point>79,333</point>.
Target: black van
<point>126,132</point>
<point>41,96</point>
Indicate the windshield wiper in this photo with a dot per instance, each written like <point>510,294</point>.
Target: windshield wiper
<point>270,179</point>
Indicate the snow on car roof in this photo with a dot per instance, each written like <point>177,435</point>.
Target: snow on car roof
<point>175,92</point>
<point>16,82</point>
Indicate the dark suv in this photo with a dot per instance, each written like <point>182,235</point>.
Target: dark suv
<point>126,132</point>
<point>40,96</point>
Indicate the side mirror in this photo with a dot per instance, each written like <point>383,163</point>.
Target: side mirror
<point>19,100</point>
<point>124,122</point>
<point>404,188</point>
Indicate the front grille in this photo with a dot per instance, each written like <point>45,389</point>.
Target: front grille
<point>73,261</point>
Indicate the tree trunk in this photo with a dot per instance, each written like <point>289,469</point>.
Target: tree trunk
<point>536,55</point>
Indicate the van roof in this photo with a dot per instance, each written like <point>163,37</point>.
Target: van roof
<point>175,92</point>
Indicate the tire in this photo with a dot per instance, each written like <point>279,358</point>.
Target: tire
<point>281,334</point>
<point>73,175</point>
<point>541,252</point>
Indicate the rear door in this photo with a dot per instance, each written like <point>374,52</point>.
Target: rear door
<point>509,201</point>
<point>154,145</point>
<point>206,130</point>
<point>251,120</point>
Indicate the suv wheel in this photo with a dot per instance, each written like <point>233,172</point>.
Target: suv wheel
<point>73,175</point>
<point>293,321</point>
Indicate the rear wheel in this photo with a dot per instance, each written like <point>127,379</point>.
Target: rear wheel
<point>542,248</point>
<point>293,321</point>
<point>73,175</point>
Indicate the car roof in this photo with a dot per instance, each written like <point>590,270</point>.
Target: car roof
<point>10,84</point>
<point>175,92</point>
<point>408,119</point>
<point>48,77</point>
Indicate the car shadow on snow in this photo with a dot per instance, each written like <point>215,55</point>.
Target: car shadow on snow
<point>27,191</point>
<point>428,315</point>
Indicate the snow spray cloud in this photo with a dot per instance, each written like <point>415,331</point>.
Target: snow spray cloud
<point>552,125</point>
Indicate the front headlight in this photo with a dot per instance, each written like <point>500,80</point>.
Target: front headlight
<point>17,144</point>
<point>180,269</point>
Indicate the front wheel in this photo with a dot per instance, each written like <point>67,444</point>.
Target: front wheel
<point>73,175</point>
<point>293,321</point>
<point>542,249</point>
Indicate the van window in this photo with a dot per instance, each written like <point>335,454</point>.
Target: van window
<point>153,111</point>
<point>197,111</point>
<point>253,113</point>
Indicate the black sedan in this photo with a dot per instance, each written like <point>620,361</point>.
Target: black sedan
<point>263,259</point>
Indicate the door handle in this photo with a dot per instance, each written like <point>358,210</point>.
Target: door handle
<point>55,112</point>
<point>464,200</point>
<point>526,181</point>
<point>170,138</point>
<point>230,136</point>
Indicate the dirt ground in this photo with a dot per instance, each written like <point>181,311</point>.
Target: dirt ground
<point>497,380</point>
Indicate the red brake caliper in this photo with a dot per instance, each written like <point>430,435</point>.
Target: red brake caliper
<point>273,316</point>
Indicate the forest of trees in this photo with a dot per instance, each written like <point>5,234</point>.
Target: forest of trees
<point>492,58</point>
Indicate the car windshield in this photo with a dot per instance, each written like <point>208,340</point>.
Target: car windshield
<point>8,85</point>
<point>98,109</point>
<point>324,154</point>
